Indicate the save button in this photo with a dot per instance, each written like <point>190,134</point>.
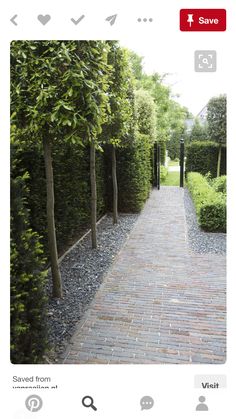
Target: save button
<point>194,20</point>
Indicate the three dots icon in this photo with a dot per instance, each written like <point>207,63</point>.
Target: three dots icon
<point>145,20</point>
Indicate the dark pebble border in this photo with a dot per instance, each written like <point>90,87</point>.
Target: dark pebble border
<point>82,271</point>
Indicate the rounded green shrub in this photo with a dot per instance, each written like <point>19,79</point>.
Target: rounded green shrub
<point>210,205</point>
<point>219,184</point>
<point>212,216</point>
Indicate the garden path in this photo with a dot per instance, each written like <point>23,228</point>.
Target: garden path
<point>160,302</point>
<point>173,168</point>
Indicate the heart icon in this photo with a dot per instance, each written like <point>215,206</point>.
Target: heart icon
<point>44,19</point>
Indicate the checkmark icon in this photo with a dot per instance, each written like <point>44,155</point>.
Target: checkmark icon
<point>76,21</point>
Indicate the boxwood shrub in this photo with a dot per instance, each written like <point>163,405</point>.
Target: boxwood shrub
<point>210,205</point>
<point>219,184</point>
<point>202,157</point>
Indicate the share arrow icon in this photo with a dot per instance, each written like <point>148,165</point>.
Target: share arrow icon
<point>111,19</point>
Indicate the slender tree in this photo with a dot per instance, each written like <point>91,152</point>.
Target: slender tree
<point>115,132</point>
<point>59,91</point>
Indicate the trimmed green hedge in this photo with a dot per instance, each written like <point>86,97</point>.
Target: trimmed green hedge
<point>162,151</point>
<point>72,190</point>
<point>163,173</point>
<point>202,157</point>
<point>134,174</point>
<point>28,294</point>
<point>210,205</point>
<point>72,185</point>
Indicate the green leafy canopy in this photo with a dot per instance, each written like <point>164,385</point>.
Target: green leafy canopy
<point>60,87</point>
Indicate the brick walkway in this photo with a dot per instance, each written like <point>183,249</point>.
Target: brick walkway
<point>160,302</point>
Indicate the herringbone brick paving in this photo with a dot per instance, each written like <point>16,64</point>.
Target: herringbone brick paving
<point>160,302</point>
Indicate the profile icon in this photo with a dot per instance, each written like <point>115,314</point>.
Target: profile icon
<point>202,406</point>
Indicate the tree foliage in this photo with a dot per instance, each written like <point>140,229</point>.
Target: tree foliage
<point>117,126</point>
<point>145,114</point>
<point>169,114</point>
<point>60,86</point>
<point>177,116</point>
<point>161,96</point>
<point>59,90</point>
<point>136,65</point>
<point>216,118</point>
<point>198,132</point>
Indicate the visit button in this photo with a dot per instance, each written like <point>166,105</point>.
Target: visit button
<point>202,20</point>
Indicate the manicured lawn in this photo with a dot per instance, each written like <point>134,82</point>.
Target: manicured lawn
<point>173,163</point>
<point>172,179</point>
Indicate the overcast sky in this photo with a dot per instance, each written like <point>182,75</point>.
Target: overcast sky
<point>195,89</point>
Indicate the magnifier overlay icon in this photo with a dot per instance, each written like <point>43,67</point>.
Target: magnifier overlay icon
<point>87,401</point>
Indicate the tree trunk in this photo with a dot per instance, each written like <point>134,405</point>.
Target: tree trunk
<point>56,276</point>
<point>115,188</point>
<point>219,161</point>
<point>93,195</point>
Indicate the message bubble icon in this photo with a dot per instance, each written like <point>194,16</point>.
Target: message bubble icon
<point>146,403</point>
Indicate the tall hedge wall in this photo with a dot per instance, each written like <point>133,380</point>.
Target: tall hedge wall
<point>72,185</point>
<point>134,173</point>
<point>202,158</point>
<point>72,190</point>
<point>28,300</point>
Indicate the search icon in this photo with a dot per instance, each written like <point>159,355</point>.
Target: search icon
<point>87,401</point>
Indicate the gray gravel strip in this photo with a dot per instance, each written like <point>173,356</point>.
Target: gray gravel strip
<point>199,240</point>
<point>82,272</point>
